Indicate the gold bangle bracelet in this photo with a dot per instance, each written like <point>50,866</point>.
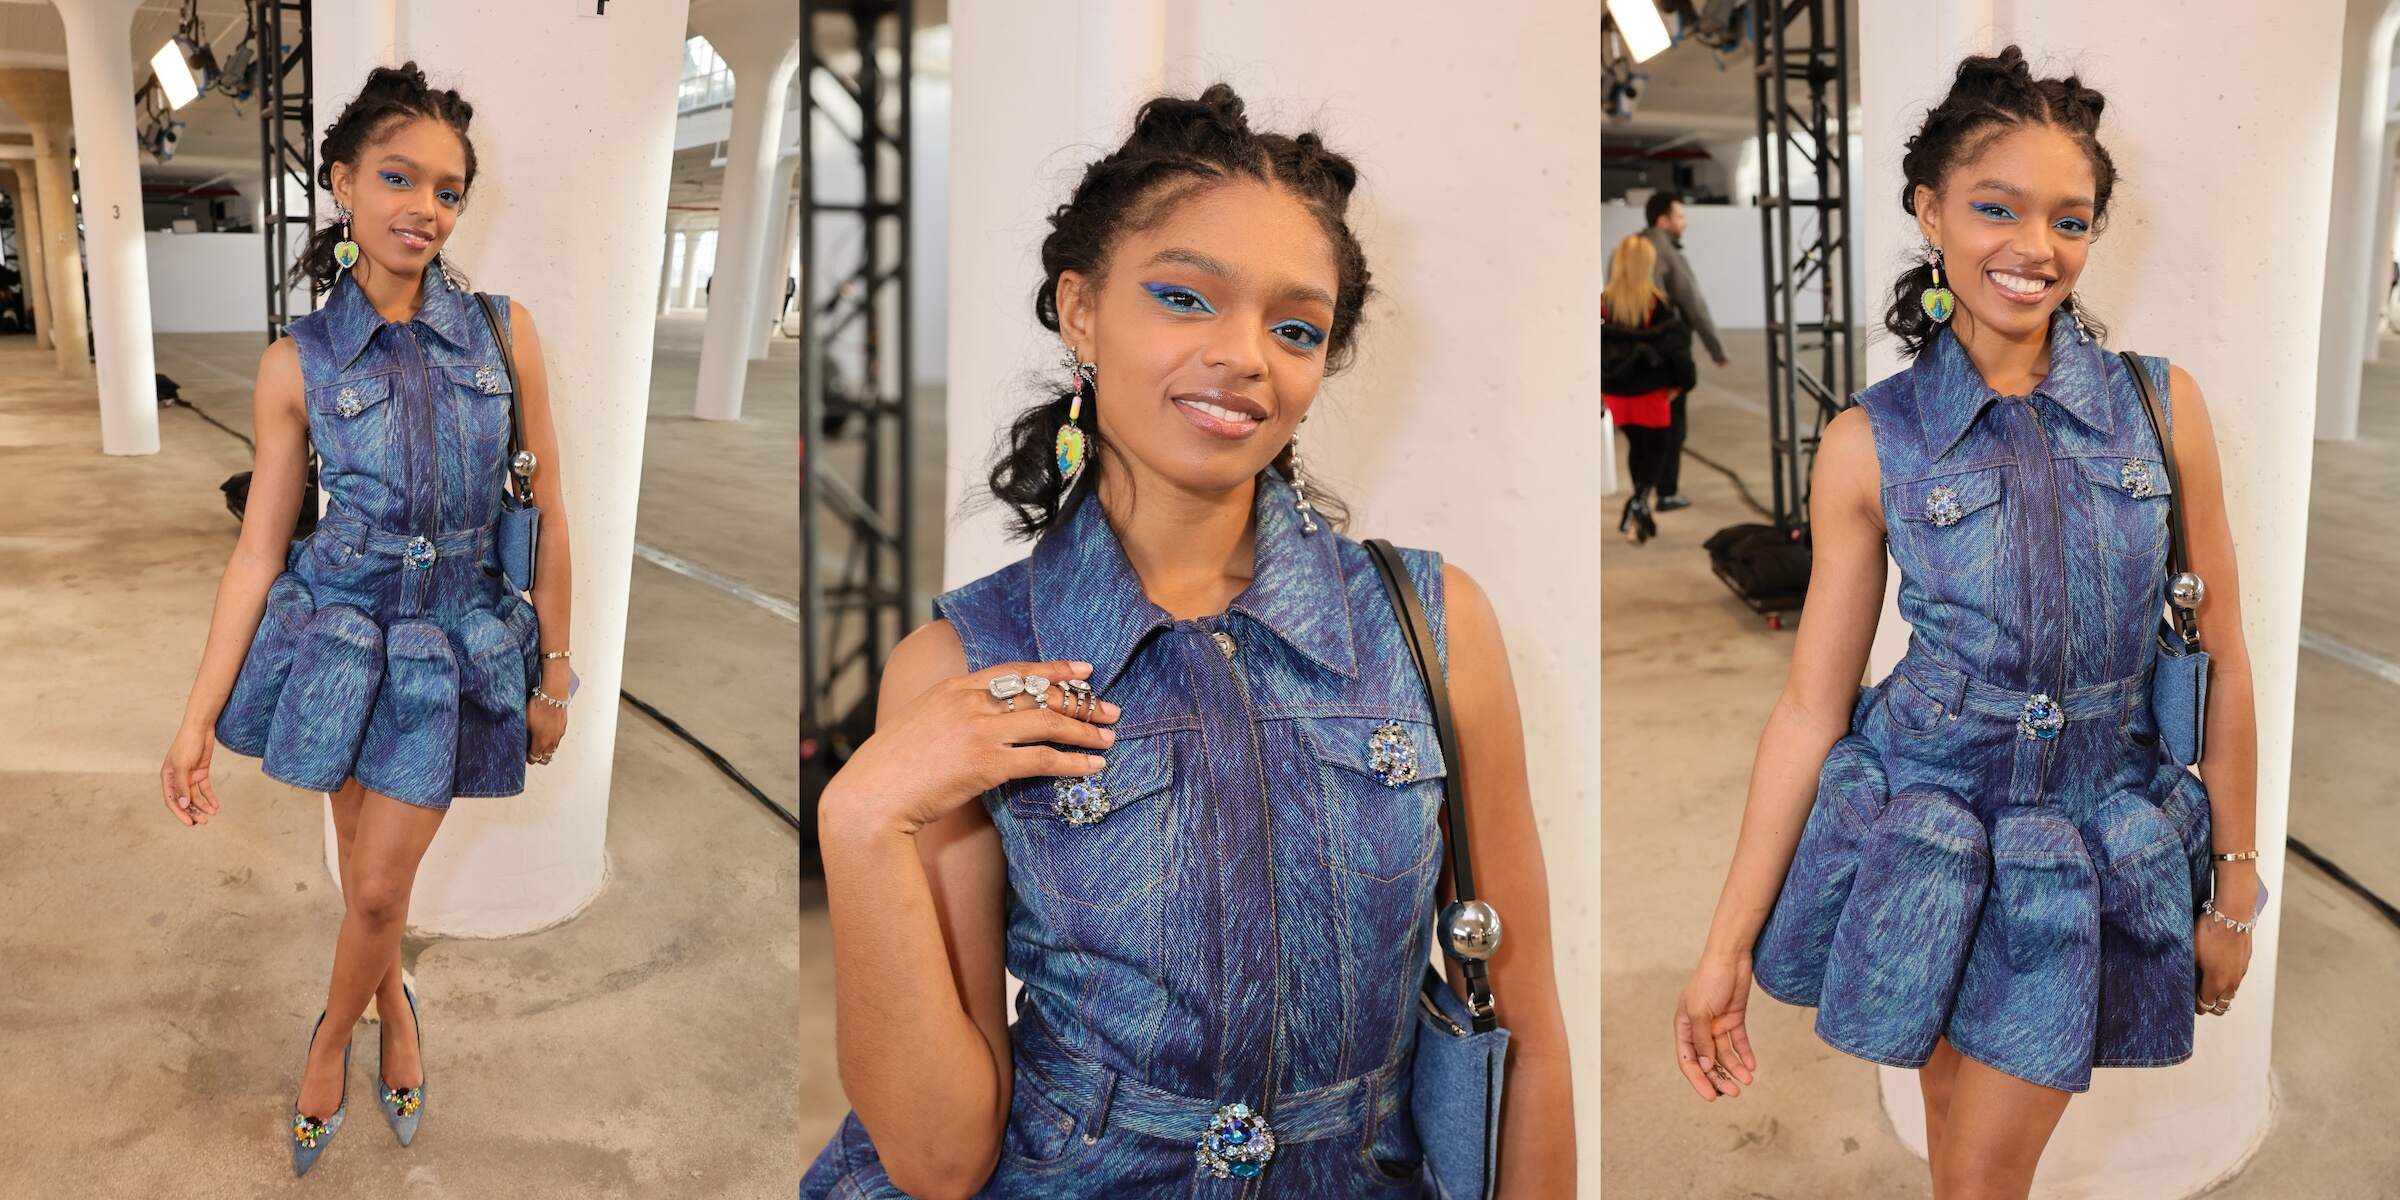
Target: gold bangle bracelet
<point>2236,856</point>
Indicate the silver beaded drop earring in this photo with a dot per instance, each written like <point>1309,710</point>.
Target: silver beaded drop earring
<point>1300,504</point>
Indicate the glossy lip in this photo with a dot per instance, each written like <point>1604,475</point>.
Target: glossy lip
<point>1229,430</point>
<point>2048,284</point>
<point>428,236</point>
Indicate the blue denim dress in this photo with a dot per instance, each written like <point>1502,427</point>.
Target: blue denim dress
<point>1249,918</point>
<point>391,648</point>
<point>2000,852</point>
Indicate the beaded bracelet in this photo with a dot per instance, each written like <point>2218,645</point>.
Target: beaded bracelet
<point>546,698</point>
<point>2209,907</point>
<point>2236,856</point>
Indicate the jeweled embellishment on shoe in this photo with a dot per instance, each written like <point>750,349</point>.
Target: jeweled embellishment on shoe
<point>2042,717</point>
<point>487,378</point>
<point>1080,801</point>
<point>2135,475</point>
<point>404,1100</point>
<point>1942,507</point>
<point>1236,1144</point>
<point>347,403</point>
<point>419,553</point>
<point>1392,754</point>
<point>306,1130</point>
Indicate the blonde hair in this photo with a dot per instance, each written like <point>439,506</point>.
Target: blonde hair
<point>1631,289</point>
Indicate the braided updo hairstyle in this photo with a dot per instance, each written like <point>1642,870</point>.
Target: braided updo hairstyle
<point>1179,148</point>
<point>1991,96</point>
<point>390,97</point>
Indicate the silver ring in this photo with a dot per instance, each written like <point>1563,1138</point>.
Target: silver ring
<point>1038,687</point>
<point>1005,688</point>
<point>1079,698</point>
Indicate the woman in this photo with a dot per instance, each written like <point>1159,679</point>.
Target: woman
<point>383,659</point>
<point>1220,891</point>
<point>1645,359</point>
<point>2001,881</point>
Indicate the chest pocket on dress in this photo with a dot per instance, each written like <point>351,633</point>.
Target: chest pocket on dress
<point>2129,504</point>
<point>1953,522</point>
<point>352,419</point>
<point>484,397</point>
<point>1380,783</point>
<point>1103,845</point>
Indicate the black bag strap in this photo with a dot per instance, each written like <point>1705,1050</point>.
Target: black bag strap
<point>2178,558</point>
<point>1454,818</point>
<point>516,416</point>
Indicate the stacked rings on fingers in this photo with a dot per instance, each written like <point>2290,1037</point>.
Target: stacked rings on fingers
<point>1038,687</point>
<point>1078,698</point>
<point>1006,689</point>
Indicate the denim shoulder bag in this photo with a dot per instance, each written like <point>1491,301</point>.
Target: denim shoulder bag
<point>1462,1052</point>
<point>2179,682</point>
<point>520,521</point>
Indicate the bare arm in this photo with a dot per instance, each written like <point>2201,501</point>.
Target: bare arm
<point>1537,1125</point>
<point>279,427</point>
<point>1829,657</point>
<point>919,996</point>
<point>2229,769</point>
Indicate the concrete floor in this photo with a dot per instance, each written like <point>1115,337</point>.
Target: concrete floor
<point>1679,644</point>
<point>154,980</point>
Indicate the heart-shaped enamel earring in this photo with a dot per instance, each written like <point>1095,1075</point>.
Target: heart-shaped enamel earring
<point>1937,301</point>
<point>345,251</point>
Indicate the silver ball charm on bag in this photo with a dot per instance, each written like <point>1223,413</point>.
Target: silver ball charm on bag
<point>2185,591</point>
<point>1470,929</point>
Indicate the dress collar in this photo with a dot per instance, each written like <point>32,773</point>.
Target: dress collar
<point>1088,603</point>
<point>352,320</point>
<point>1950,393</point>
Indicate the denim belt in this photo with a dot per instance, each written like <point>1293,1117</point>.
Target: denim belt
<point>1102,1094</point>
<point>354,531</point>
<point>1961,692</point>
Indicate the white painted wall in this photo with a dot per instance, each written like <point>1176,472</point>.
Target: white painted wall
<point>2179,261</point>
<point>1722,243</point>
<point>1478,361</point>
<point>207,282</point>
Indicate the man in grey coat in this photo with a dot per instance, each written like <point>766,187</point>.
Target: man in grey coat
<point>1675,278</point>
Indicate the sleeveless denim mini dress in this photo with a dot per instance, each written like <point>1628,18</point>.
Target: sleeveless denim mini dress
<point>2000,852</point>
<point>391,648</point>
<point>1247,918</point>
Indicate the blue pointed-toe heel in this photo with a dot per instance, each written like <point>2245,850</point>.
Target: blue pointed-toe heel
<point>310,1135</point>
<point>401,1106</point>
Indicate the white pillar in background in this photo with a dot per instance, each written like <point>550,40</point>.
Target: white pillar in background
<point>687,292</point>
<point>2182,263</point>
<point>100,74</point>
<point>558,225</point>
<point>2387,208</point>
<point>749,37</point>
<point>783,242</point>
<point>30,236</point>
<point>2349,278</point>
<point>666,263</point>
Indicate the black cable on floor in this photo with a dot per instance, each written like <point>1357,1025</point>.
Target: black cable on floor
<point>1729,473</point>
<point>731,772</point>
<point>672,726</point>
<point>2344,878</point>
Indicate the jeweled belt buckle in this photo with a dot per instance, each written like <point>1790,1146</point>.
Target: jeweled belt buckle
<point>1236,1144</point>
<point>419,553</point>
<point>2042,718</point>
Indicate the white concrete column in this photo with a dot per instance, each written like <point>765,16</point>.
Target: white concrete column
<point>2379,289</point>
<point>687,292</point>
<point>782,244</point>
<point>761,45</point>
<point>558,225</point>
<point>666,263</point>
<point>2350,278</point>
<point>100,73</point>
<point>36,281</point>
<point>42,97</point>
<point>2184,261</point>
